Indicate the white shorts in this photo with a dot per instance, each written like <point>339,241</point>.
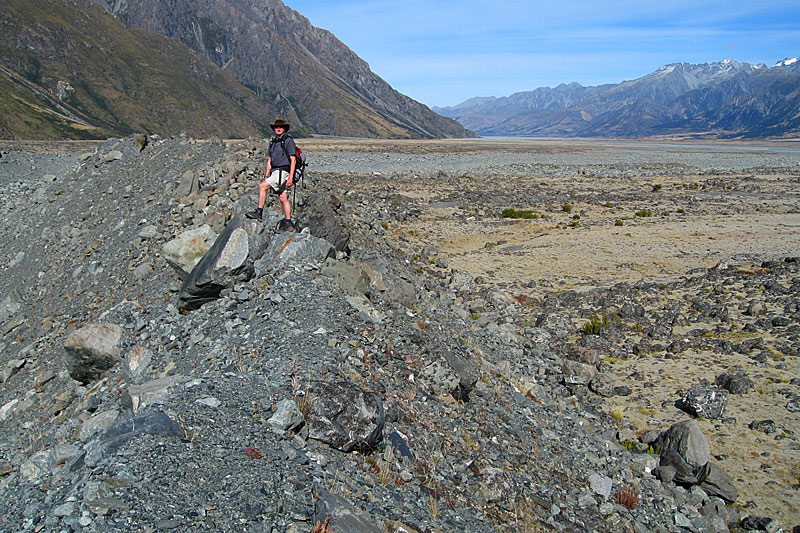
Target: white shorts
<point>277,177</point>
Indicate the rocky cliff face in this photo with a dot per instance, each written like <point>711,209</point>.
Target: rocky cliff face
<point>680,99</point>
<point>311,77</point>
<point>69,69</point>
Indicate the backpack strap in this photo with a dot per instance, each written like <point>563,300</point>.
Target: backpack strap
<point>283,146</point>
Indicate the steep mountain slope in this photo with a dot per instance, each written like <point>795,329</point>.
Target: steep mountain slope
<point>310,76</point>
<point>72,70</point>
<point>676,99</point>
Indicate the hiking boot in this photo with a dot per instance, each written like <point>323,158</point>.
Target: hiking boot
<point>284,225</point>
<point>256,215</point>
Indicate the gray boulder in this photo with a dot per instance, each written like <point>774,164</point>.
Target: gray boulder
<point>92,350</point>
<point>293,248</point>
<point>602,386</point>
<point>137,364</point>
<point>320,214</point>
<point>139,397</point>
<point>497,486</point>
<point>184,251</point>
<point>287,416</point>
<point>229,260</point>
<point>351,279</point>
<point>339,515</point>
<point>10,305</point>
<point>111,439</point>
<point>440,378</point>
<point>735,383</point>
<point>687,439</point>
<point>462,282</point>
<point>703,401</point>
<point>344,416</point>
<point>189,184</point>
<point>557,324</point>
<point>466,372</point>
<point>719,483</point>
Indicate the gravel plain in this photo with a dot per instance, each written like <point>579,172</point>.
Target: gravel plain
<point>702,287</point>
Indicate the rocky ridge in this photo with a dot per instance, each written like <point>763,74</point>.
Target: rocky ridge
<point>725,99</point>
<point>216,417</point>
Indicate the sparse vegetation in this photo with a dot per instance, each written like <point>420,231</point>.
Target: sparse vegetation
<point>644,213</point>
<point>619,222</point>
<point>520,213</point>
<point>627,496</point>
<point>567,208</point>
<point>597,323</point>
<point>322,527</point>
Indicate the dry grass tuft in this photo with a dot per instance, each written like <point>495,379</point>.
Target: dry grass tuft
<point>322,527</point>
<point>628,496</point>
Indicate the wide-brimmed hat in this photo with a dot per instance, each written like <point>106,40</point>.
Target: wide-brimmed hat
<point>280,123</point>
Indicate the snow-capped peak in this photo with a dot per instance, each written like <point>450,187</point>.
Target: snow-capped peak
<point>788,61</point>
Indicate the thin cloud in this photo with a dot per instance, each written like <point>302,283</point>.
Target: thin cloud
<point>442,53</point>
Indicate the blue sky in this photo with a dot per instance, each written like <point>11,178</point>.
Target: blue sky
<point>444,52</point>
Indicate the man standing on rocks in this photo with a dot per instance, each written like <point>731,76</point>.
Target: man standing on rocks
<point>281,163</point>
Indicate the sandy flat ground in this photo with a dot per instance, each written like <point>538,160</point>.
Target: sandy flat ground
<point>588,234</point>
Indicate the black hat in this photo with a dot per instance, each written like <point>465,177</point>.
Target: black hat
<point>280,123</point>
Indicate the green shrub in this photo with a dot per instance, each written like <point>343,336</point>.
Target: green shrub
<point>644,213</point>
<point>567,208</point>
<point>618,222</point>
<point>520,213</point>
<point>657,187</point>
<point>596,323</point>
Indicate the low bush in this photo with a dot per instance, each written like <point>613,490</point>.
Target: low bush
<point>520,213</point>
<point>596,323</point>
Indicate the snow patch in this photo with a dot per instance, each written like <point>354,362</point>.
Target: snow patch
<point>788,61</point>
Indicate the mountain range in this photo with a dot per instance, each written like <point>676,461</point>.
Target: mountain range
<point>227,68</point>
<point>726,99</point>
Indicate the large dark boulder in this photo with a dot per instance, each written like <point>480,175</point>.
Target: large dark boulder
<point>344,416</point>
<point>320,214</point>
<point>687,439</point>
<point>685,458</point>
<point>229,260</point>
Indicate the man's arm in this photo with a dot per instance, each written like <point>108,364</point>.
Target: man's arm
<point>269,167</point>
<point>292,166</point>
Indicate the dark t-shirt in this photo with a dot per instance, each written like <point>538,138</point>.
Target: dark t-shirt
<point>280,159</point>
